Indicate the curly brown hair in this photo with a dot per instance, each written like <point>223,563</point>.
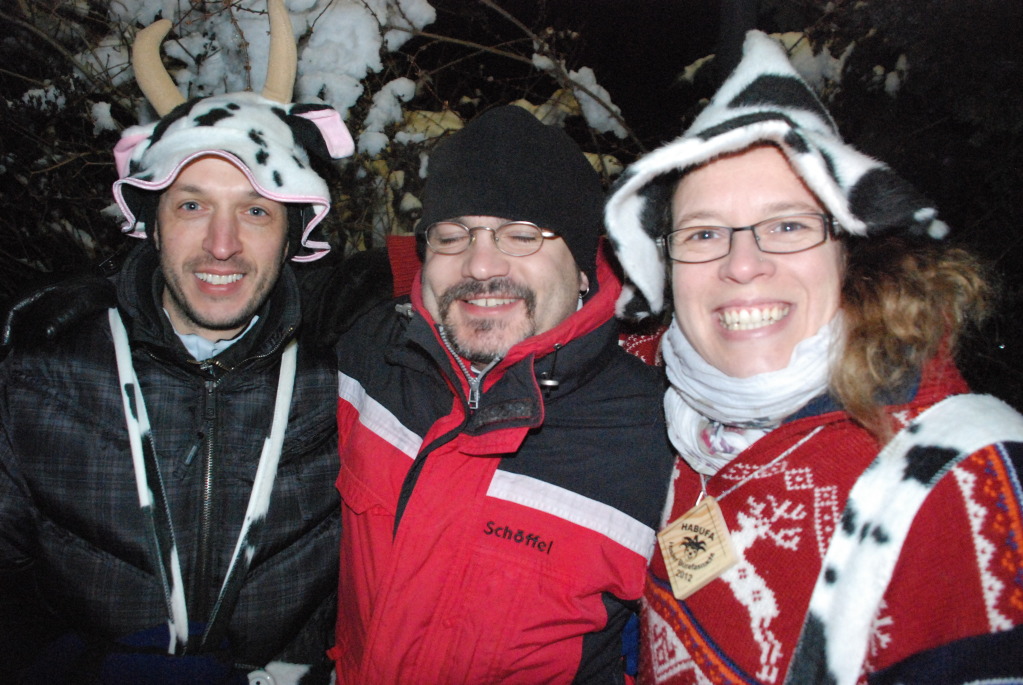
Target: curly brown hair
<point>903,300</point>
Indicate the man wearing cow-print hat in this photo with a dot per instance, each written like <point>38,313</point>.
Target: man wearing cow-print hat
<point>167,467</point>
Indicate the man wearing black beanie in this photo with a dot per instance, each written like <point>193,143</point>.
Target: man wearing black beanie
<point>504,462</point>
<point>507,164</point>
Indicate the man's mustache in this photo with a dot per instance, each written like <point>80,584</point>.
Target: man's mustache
<point>497,287</point>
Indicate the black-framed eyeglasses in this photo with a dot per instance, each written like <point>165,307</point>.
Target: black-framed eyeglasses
<point>779,235</point>
<point>515,238</point>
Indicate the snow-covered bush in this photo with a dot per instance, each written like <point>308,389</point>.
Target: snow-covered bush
<point>69,91</point>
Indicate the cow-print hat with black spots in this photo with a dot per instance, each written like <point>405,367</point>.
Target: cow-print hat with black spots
<point>763,101</point>
<point>268,138</point>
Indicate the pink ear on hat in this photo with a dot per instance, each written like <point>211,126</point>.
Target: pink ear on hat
<point>335,133</point>
<point>122,151</point>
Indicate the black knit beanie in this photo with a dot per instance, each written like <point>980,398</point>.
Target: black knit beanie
<point>506,163</point>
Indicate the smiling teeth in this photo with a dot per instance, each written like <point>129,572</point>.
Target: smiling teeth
<point>491,301</point>
<point>748,319</point>
<point>216,279</point>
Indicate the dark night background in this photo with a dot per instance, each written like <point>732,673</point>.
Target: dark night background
<point>954,129</point>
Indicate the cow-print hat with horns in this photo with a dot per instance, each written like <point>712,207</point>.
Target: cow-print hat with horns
<point>763,101</point>
<point>269,139</point>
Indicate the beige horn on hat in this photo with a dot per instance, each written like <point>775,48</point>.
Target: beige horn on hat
<point>283,60</point>
<point>163,94</point>
<point>156,84</point>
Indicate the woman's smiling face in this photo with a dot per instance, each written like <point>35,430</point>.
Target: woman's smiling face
<point>746,312</point>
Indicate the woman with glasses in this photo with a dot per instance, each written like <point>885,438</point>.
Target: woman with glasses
<point>842,508</point>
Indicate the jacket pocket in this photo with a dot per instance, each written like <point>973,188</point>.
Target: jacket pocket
<point>359,497</point>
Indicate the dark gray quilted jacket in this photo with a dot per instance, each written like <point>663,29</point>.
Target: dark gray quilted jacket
<point>69,508</point>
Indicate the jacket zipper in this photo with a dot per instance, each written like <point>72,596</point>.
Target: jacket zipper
<point>205,549</point>
<point>472,403</point>
<point>475,381</point>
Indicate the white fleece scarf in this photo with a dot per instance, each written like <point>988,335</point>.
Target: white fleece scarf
<point>712,417</point>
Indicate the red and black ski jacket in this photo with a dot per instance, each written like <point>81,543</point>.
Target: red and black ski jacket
<point>505,543</point>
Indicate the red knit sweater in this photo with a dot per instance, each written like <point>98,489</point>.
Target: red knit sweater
<point>958,574</point>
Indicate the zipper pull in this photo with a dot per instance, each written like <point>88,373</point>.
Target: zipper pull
<point>474,393</point>
<point>208,410</point>
<point>195,448</point>
<point>476,383</point>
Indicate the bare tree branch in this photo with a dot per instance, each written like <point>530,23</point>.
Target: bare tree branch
<point>560,73</point>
